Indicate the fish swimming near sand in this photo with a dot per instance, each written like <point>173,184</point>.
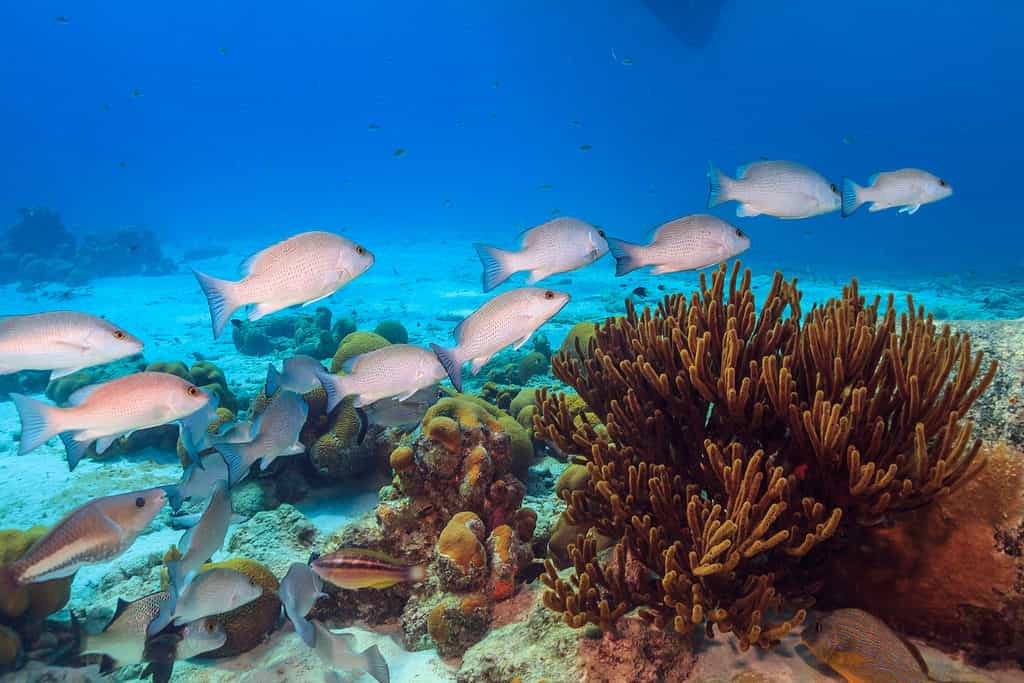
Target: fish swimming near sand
<point>784,189</point>
<point>298,374</point>
<point>102,413</point>
<point>299,270</point>
<point>200,542</point>
<point>197,481</point>
<point>863,649</point>
<point>62,342</point>
<point>275,433</point>
<point>95,532</point>
<point>299,591</point>
<point>337,650</point>
<point>907,188</point>
<point>125,637</point>
<point>687,243</point>
<point>214,591</point>
<point>202,635</point>
<point>393,371</point>
<point>354,568</point>
<point>509,318</point>
<point>557,246</point>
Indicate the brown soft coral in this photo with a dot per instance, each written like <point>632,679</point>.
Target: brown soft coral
<point>735,442</point>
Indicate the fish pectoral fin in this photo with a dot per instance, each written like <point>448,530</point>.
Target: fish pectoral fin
<point>57,374</point>
<point>746,211</point>
<point>519,344</point>
<point>295,449</point>
<point>910,210</point>
<point>407,395</point>
<point>479,363</point>
<point>661,270</point>
<point>878,206</point>
<point>262,310</point>
<point>537,275</point>
<point>105,442</point>
<point>71,345</point>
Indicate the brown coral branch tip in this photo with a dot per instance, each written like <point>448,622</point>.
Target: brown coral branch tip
<point>732,446</point>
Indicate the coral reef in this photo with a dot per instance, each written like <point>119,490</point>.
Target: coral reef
<point>23,610</point>
<point>24,382</point>
<point>310,334</point>
<point>275,538</point>
<point>454,503</point>
<point>737,447</point>
<point>393,331</point>
<point>40,249</point>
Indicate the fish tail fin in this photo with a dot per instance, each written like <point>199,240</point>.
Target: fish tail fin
<point>628,256</point>
<point>719,186</point>
<point>39,422</point>
<point>851,197</point>
<point>498,264</point>
<point>273,382</point>
<point>304,627</point>
<point>222,296</point>
<point>364,425</point>
<point>174,496</point>
<point>335,386</point>
<point>375,664</point>
<point>234,458</point>
<point>418,573</point>
<point>452,365</point>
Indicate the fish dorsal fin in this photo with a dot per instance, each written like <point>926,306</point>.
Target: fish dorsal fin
<point>122,605</point>
<point>255,261</point>
<point>873,179</point>
<point>350,365</point>
<point>741,171</point>
<point>78,396</point>
<point>457,332</point>
<point>376,554</point>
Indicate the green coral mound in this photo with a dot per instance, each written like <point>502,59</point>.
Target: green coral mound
<point>393,331</point>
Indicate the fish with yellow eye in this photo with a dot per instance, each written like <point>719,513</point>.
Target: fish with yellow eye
<point>863,649</point>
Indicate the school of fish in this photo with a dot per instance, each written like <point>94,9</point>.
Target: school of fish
<point>393,385</point>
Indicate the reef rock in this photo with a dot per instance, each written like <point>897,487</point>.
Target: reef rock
<point>310,334</point>
<point>276,538</point>
<point>950,573</point>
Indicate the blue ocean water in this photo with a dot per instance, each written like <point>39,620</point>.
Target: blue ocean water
<point>256,119</point>
<point>418,128</point>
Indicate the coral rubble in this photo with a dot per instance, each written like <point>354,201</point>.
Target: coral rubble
<point>729,449</point>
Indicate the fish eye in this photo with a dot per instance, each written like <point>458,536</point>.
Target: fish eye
<point>140,502</point>
<point>549,294</point>
<point>193,390</point>
<point>118,334</point>
<point>834,188</point>
<point>209,626</point>
<point>818,627</point>
<point>360,250</point>
<point>942,182</point>
<point>739,233</point>
<point>601,233</point>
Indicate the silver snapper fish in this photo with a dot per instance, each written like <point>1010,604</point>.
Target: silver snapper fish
<point>95,532</point>
<point>298,374</point>
<point>125,638</point>
<point>393,371</point>
<point>687,243</point>
<point>300,589</point>
<point>195,433</point>
<point>198,480</point>
<point>907,188</point>
<point>336,650</point>
<point>275,433</point>
<point>509,318</point>
<point>390,412</point>
<point>784,189</point>
<point>214,591</point>
<point>200,542</point>
<point>62,342</point>
<point>558,246</point>
<point>302,269</point>
<point>103,412</point>
<point>201,636</point>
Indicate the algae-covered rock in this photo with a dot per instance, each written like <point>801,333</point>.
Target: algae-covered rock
<point>276,538</point>
<point>310,334</point>
<point>10,647</point>
<point>34,601</point>
<point>393,331</point>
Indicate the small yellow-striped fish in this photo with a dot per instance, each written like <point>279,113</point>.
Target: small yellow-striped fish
<point>354,568</point>
<point>864,650</point>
